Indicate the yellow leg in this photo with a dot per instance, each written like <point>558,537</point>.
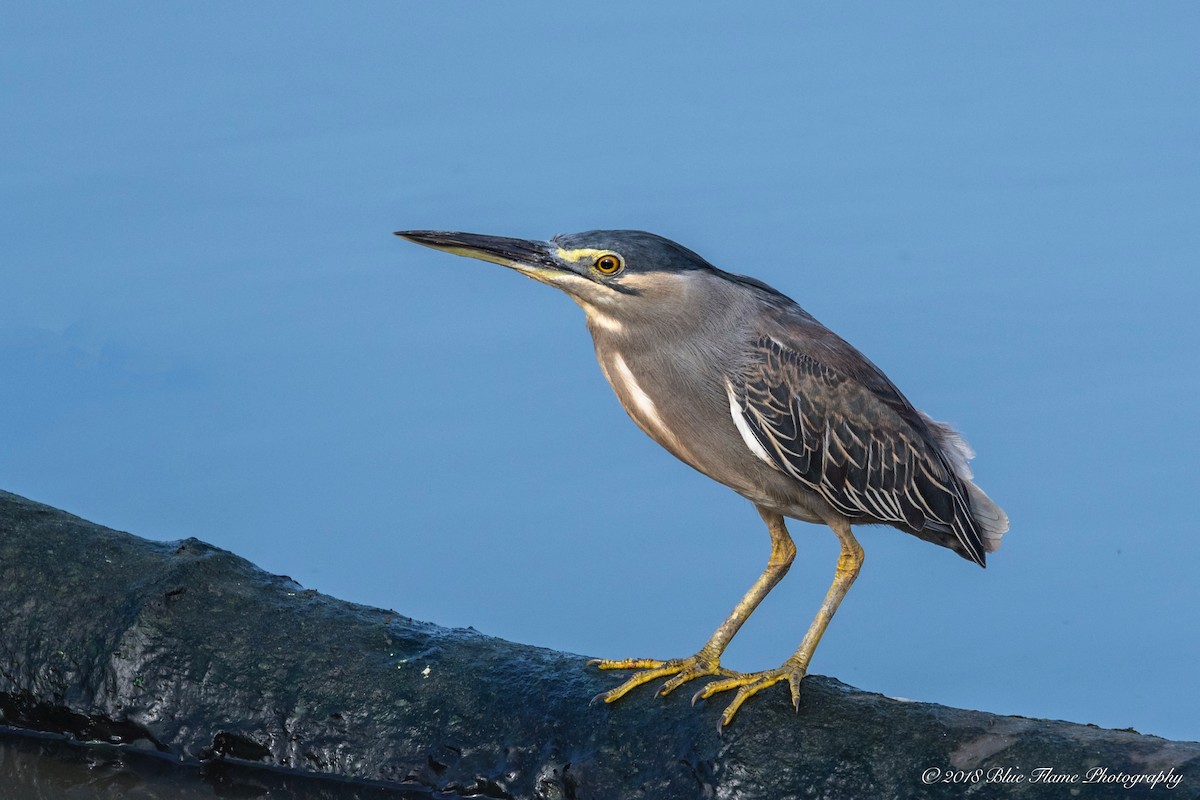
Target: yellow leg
<point>794,669</point>
<point>708,660</point>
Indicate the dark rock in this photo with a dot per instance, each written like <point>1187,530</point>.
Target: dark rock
<point>186,651</point>
<point>53,768</point>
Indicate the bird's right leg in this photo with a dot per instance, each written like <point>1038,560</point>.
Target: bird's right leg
<point>708,660</point>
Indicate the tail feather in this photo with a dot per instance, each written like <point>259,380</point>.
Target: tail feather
<point>990,519</point>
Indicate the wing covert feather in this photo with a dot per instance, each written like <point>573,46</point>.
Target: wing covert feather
<point>840,438</point>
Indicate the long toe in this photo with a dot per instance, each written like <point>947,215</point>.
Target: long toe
<point>682,670</point>
<point>626,663</point>
<point>691,671</point>
<point>752,683</point>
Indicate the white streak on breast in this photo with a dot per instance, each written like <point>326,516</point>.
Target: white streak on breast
<point>641,408</point>
<point>739,421</point>
<point>641,400</point>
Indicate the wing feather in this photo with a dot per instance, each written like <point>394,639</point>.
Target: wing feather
<point>840,438</point>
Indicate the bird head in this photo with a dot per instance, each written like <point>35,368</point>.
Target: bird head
<point>615,275</point>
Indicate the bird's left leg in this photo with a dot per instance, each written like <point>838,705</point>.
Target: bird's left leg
<point>796,666</point>
<point>708,660</point>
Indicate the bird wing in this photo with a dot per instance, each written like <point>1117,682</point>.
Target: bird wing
<point>849,435</point>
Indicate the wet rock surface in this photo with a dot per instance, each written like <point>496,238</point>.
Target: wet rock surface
<point>53,768</point>
<point>187,652</point>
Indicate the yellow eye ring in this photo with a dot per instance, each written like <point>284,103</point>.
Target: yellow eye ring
<point>608,264</point>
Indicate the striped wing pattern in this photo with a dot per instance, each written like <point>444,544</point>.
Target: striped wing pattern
<point>854,448</point>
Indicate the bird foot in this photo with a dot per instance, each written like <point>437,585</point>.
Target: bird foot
<point>751,683</point>
<point>682,670</point>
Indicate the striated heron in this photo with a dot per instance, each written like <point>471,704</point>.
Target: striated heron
<point>739,382</point>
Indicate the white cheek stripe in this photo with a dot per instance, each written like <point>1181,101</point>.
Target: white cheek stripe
<point>604,321</point>
<point>739,422</point>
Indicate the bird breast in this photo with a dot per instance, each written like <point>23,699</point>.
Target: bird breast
<point>675,406</point>
<point>640,406</point>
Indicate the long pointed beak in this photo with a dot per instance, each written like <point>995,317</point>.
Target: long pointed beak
<point>532,258</point>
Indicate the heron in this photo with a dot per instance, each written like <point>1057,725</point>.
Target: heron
<point>735,379</point>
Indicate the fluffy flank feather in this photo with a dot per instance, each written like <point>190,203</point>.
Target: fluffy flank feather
<point>954,447</point>
<point>989,517</point>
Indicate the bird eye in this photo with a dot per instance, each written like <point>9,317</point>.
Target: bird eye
<point>608,264</point>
